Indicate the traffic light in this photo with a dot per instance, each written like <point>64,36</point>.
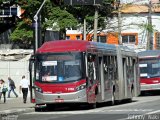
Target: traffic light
<point>82,2</point>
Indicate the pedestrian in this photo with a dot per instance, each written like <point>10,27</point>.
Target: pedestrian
<point>24,85</point>
<point>12,87</point>
<point>3,90</point>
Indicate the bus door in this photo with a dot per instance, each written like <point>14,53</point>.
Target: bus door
<point>32,73</point>
<point>108,76</point>
<point>91,81</point>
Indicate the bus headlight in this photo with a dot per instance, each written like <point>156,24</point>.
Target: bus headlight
<point>38,89</point>
<point>81,87</point>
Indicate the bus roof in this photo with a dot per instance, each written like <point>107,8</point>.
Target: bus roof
<point>82,45</point>
<point>73,45</point>
<point>149,54</point>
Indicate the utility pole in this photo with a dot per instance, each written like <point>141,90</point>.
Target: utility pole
<point>95,23</point>
<point>119,26</point>
<point>119,23</point>
<point>84,29</point>
<point>149,32</point>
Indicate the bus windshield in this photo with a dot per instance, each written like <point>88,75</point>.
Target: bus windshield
<point>149,68</point>
<point>59,67</point>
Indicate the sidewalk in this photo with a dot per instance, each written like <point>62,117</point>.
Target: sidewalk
<point>15,105</point>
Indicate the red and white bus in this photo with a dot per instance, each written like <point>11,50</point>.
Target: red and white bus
<point>149,63</point>
<point>68,71</point>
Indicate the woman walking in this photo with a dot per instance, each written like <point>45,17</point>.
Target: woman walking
<point>3,90</point>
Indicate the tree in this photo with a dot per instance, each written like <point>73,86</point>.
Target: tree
<point>56,15</point>
<point>62,18</point>
<point>23,35</point>
<point>23,32</point>
<point>87,12</point>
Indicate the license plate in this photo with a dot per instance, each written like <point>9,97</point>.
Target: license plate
<point>59,100</point>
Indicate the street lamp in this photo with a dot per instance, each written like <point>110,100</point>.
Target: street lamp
<point>36,24</point>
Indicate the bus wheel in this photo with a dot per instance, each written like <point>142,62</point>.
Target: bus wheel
<point>113,99</point>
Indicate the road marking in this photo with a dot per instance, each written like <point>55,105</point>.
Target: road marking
<point>129,110</point>
<point>95,111</point>
<point>62,112</point>
<point>153,112</point>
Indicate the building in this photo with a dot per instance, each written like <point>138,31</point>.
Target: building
<point>135,26</point>
<point>137,19</point>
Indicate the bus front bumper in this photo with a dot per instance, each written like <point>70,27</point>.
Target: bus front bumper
<point>75,97</point>
<point>147,87</point>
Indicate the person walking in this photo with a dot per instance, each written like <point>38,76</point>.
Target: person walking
<point>12,87</point>
<point>3,90</point>
<point>24,85</point>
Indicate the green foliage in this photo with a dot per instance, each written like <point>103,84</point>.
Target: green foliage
<point>63,18</point>
<point>148,27</point>
<point>57,16</point>
<point>22,34</point>
<point>1,1</point>
<point>88,11</point>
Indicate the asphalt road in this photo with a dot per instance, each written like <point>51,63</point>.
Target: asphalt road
<point>142,108</point>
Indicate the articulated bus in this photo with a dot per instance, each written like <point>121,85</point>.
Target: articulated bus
<point>67,71</point>
<point>149,64</point>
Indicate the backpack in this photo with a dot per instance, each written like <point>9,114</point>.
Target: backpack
<point>4,88</point>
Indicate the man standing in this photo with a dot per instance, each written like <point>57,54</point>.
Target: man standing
<point>11,87</point>
<point>24,85</point>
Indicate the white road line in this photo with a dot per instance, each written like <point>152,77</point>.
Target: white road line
<point>153,112</point>
<point>130,110</point>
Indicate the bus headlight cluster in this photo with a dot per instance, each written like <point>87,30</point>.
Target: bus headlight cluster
<point>38,89</point>
<point>83,86</point>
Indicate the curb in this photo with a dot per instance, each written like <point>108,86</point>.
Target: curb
<point>16,111</point>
